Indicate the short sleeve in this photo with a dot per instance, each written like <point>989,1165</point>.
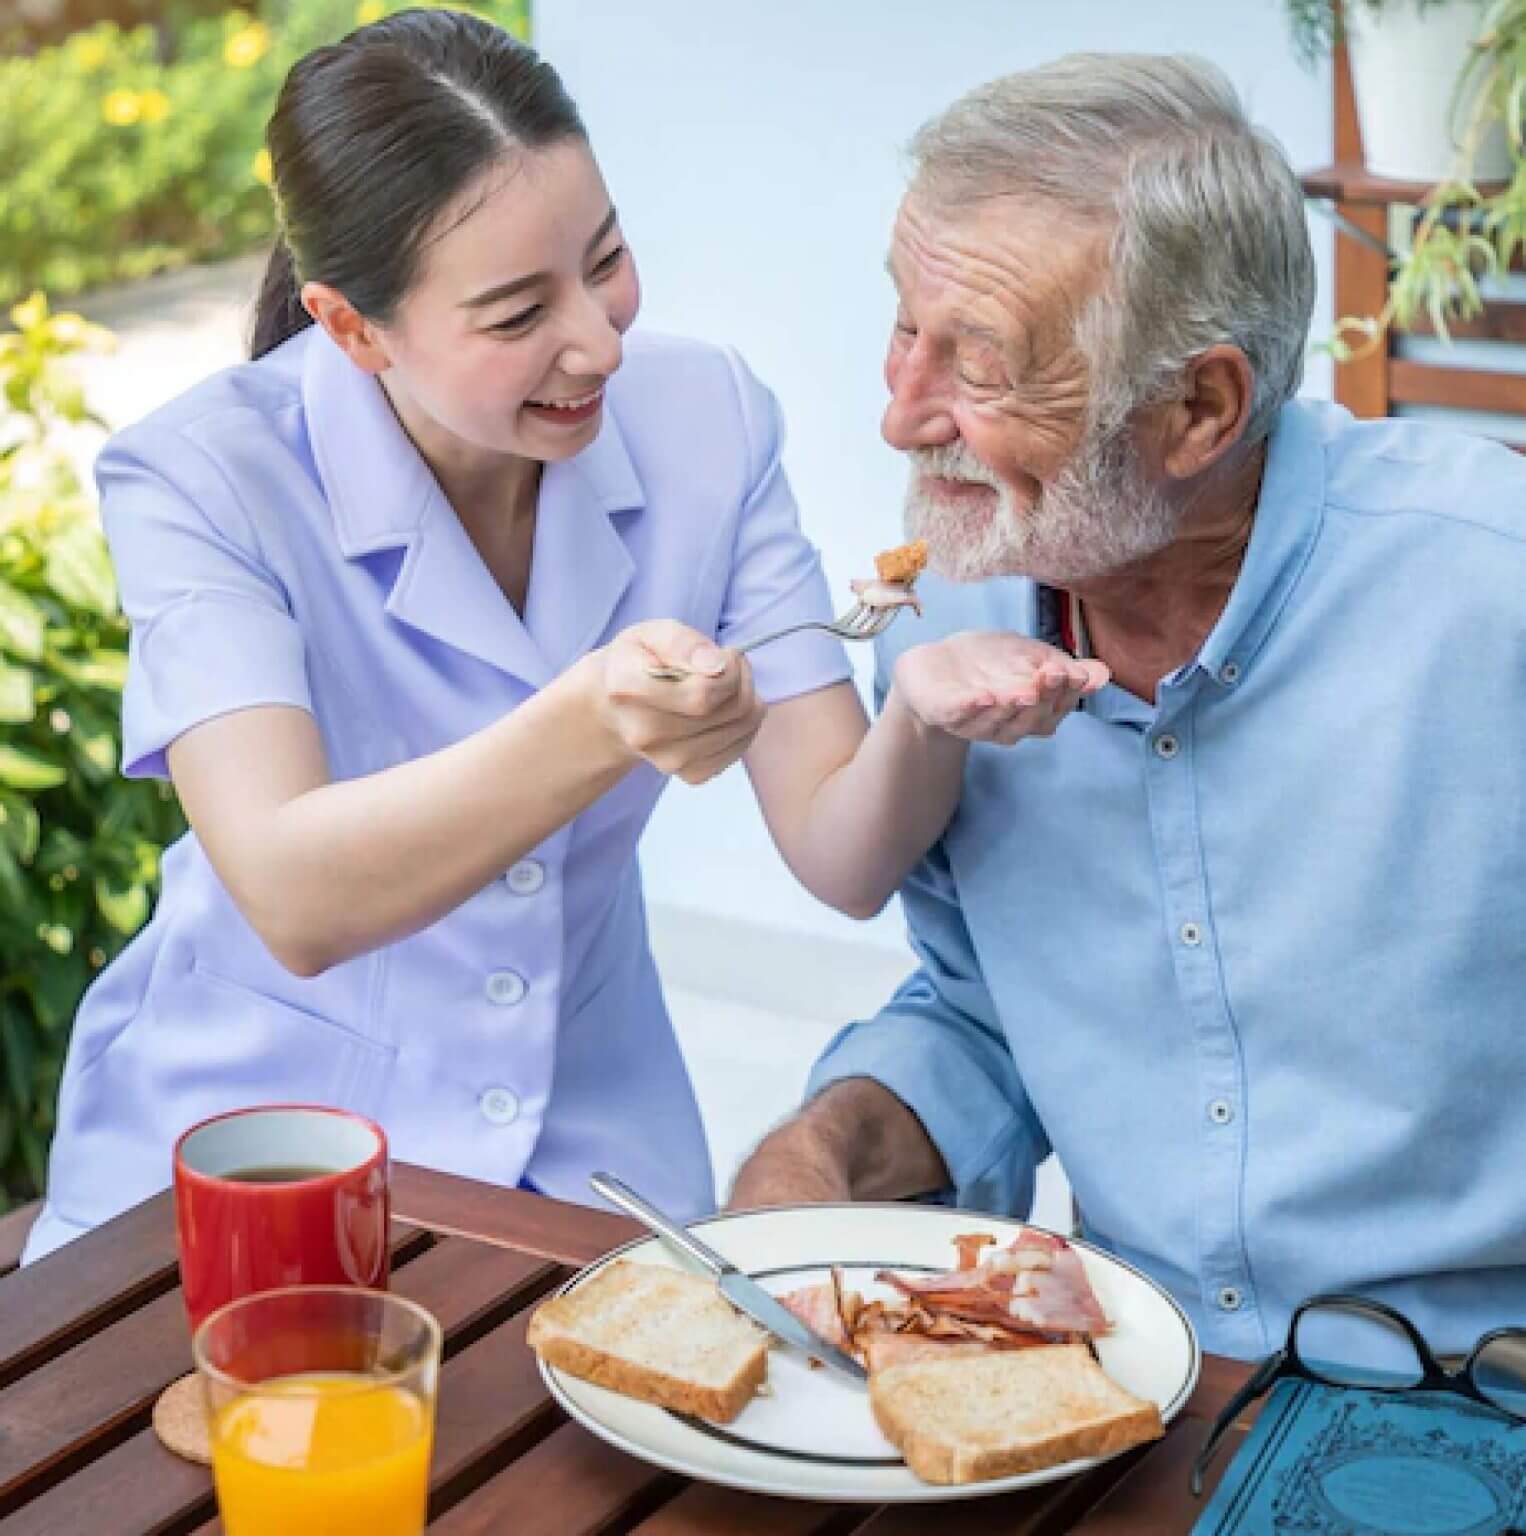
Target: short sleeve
<point>776,576</point>
<point>212,630</point>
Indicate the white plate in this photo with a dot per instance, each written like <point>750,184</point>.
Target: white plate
<point>813,1436</point>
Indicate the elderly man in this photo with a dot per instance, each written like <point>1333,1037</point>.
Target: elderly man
<point>1244,943</point>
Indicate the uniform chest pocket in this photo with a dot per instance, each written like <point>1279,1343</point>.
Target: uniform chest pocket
<point>209,1028</point>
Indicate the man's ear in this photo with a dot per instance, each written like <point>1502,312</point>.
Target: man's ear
<point>1209,419</point>
<point>356,336</point>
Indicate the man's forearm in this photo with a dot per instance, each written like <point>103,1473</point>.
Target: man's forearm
<point>855,1141</point>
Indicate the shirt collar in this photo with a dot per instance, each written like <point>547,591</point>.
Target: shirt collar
<point>1289,512</point>
<point>378,484</point>
<point>383,496</point>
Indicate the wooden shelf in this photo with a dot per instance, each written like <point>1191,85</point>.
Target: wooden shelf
<point>1378,381</point>
<point>1349,181</point>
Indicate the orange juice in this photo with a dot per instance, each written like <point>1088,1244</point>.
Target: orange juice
<point>326,1455</point>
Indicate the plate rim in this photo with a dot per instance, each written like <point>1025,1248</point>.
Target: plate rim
<point>924,1492</point>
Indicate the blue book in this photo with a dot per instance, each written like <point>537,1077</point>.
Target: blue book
<point>1322,1461</point>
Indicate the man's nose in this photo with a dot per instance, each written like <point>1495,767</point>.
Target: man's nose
<point>917,415</point>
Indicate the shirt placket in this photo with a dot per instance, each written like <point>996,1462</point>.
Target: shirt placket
<point>1229,1303</point>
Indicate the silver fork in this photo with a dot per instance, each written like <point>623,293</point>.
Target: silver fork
<point>862,621</point>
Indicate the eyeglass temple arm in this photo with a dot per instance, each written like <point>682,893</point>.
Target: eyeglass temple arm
<point>1263,1377</point>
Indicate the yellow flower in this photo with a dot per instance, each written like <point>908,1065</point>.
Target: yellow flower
<point>154,106</point>
<point>247,46</point>
<point>90,52</point>
<point>32,313</point>
<point>264,172</point>
<point>122,108</point>
<point>368,11</point>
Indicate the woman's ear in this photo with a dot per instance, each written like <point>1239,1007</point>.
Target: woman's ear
<point>1209,419</point>
<point>356,336</point>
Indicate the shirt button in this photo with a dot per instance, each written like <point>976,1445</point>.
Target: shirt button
<point>1221,1111</point>
<point>1191,934</point>
<point>1230,673</point>
<point>527,877</point>
<point>1167,746</point>
<point>506,988</point>
<point>1229,1299</point>
<point>499,1106</point>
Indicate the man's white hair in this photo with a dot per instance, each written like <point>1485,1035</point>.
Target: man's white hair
<point>1209,241</point>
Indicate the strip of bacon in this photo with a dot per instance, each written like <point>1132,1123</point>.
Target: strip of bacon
<point>1037,1282</point>
<point>969,1245</point>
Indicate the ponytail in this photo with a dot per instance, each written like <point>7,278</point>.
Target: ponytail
<point>279,314</point>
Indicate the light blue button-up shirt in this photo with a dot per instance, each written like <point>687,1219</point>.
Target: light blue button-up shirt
<point>1252,960</point>
<point>279,541</point>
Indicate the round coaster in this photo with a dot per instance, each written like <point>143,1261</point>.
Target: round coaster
<point>180,1420</point>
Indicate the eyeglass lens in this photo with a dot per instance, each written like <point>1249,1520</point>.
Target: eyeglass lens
<point>1499,1372</point>
<point>1350,1347</point>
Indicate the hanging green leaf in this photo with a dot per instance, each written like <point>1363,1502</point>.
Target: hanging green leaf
<point>79,568</point>
<point>124,908</point>
<point>20,826</point>
<point>18,695</point>
<point>22,623</point>
<point>20,769</point>
<point>104,669</point>
<point>20,1053</point>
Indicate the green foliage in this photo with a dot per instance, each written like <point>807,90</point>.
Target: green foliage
<point>127,151</point>
<point>1316,24</point>
<point>79,846</point>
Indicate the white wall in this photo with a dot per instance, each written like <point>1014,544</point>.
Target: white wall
<point>752,148</point>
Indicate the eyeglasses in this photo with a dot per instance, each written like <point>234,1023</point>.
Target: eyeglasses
<point>1350,1341</point>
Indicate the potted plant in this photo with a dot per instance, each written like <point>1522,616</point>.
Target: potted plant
<point>1407,58</point>
<point>1473,222</point>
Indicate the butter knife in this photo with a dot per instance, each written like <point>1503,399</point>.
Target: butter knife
<point>744,1294</point>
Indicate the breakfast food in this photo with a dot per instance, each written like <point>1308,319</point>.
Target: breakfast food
<point>903,564</point>
<point>982,1371</point>
<point>1033,1291</point>
<point>895,574</point>
<point>961,1419</point>
<point>656,1334</point>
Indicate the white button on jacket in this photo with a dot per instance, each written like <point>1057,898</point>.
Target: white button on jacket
<point>278,540</point>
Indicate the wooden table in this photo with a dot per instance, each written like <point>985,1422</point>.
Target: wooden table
<point>90,1336</point>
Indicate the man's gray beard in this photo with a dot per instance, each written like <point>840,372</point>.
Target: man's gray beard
<point>1100,513</point>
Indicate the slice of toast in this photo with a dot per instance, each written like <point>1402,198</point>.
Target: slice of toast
<point>661,1335</point>
<point>969,1418</point>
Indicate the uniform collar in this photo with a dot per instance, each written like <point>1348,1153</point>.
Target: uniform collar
<point>383,497</point>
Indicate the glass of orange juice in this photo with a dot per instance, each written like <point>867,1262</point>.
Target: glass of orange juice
<point>322,1404</point>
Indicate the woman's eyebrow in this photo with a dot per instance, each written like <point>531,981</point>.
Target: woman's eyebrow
<point>506,290</point>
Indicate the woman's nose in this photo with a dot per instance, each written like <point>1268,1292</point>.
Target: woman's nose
<point>594,348</point>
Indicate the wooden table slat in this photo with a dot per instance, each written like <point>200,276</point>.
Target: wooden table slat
<point>1154,1496</point>
<point>703,1509</point>
<point>456,1207</point>
<point>52,1304</point>
<point>100,1392</point>
<point>571,1482</point>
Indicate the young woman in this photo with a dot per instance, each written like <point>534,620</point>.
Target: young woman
<point>397,588</point>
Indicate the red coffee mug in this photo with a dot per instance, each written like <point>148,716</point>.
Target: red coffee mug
<point>285,1194</point>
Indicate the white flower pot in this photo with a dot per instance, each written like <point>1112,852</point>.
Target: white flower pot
<point>1404,69</point>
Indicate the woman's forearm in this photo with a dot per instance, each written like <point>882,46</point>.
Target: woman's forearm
<point>875,816</point>
<point>852,807</point>
<point>343,867</point>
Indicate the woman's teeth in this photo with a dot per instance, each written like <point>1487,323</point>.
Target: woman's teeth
<point>568,405</point>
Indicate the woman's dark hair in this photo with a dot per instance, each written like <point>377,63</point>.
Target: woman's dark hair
<point>374,137</point>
